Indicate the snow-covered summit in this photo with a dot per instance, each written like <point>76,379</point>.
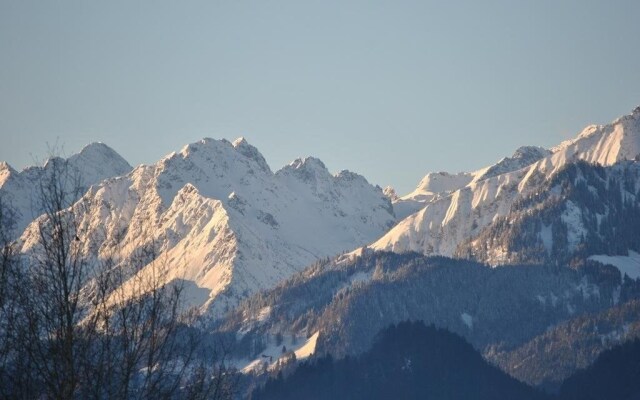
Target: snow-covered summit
<point>522,157</point>
<point>439,182</point>
<point>530,152</point>
<point>251,152</point>
<point>97,151</point>
<point>94,163</point>
<point>97,161</point>
<point>432,186</point>
<point>5,172</point>
<point>306,165</point>
<point>390,192</point>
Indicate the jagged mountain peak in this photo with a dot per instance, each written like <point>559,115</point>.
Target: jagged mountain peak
<point>633,116</point>
<point>188,189</point>
<point>5,167</point>
<point>212,165</point>
<point>390,192</point>
<point>347,176</point>
<point>528,151</point>
<point>308,163</point>
<point>5,172</point>
<point>306,168</point>
<point>521,158</point>
<point>203,145</point>
<point>219,155</point>
<point>240,141</point>
<point>251,152</point>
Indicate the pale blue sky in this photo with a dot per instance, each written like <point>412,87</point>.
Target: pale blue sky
<point>390,89</point>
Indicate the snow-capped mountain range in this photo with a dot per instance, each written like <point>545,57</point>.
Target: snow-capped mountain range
<point>220,220</point>
<point>455,208</point>
<point>93,164</point>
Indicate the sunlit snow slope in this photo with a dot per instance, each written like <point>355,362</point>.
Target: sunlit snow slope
<point>458,206</point>
<point>218,218</point>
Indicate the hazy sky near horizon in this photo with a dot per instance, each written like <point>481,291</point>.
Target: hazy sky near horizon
<point>391,90</point>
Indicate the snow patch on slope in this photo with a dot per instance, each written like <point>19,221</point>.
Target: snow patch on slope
<point>308,348</point>
<point>467,320</point>
<point>270,356</point>
<point>628,265</point>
